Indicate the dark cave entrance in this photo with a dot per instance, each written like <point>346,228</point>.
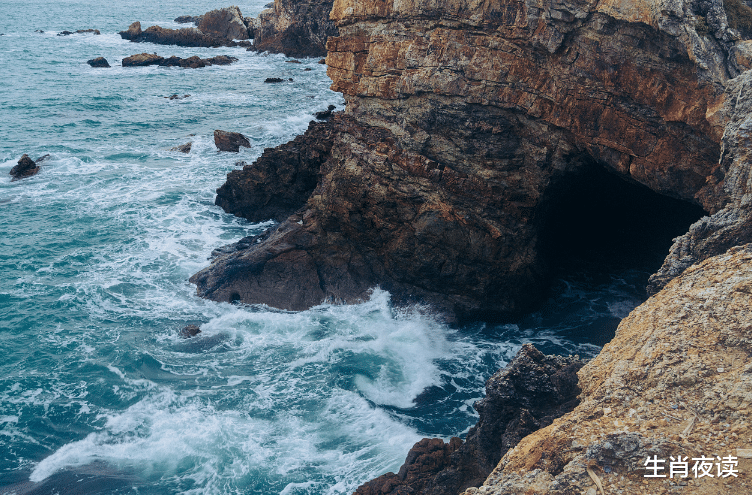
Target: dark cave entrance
<point>601,237</point>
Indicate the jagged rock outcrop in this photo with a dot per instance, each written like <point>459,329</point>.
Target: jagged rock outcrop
<point>529,394</point>
<point>216,28</point>
<point>295,28</point>
<point>462,122</point>
<point>26,167</point>
<point>194,62</point>
<point>280,181</point>
<point>675,381</point>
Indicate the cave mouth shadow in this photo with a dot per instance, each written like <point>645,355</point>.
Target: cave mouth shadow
<point>601,237</point>
<point>597,220</point>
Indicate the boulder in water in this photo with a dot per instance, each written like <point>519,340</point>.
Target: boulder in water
<point>99,62</point>
<point>183,148</point>
<point>26,167</point>
<point>273,80</point>
<point>224,23</point>
<point>189,331</point>
<point>141,60</point>
<point>230,141</point>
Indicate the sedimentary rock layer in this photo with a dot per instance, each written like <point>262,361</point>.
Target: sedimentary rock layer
<point>527,395</point>
<point>463,121</point>
<point>675,381</point>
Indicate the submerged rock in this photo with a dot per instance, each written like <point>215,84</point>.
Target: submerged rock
<point>176,97</point>
<point>230,141</point>
<point>26,167</point>
<point>98,62</point>
<point>273,80</point>
<point>529,394</point>
<point>183,148</point>
<point>80,31</point>
<point>190,331</point>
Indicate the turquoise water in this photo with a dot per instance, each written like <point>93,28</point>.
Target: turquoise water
<point>98,394</point>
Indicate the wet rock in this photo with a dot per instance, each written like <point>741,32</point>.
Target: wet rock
<point>293,62</point>
<point>80,31</point>
<point>230,141</point>
<point>181,37</point>
<point>26,167</point>
<point>189,19</point>
<point>176,97</point>
<point>326,114</point>
<point>98,62</point>
<point>42,158</point>
<point>529,394</point>
<point>183,148</point>
<point>193,62</point>
<point>322,61</point>
<point>273,80</point>
<point>190,331</point>
<point>141,60</point>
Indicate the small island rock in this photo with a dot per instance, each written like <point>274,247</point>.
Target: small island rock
<point>26,167</point>
<point>98,62</point>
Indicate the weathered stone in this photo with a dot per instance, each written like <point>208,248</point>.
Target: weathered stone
<point>79,31</point>
<point>99,62</point>
<point>230,141</point>
<point>295,28</point>
<point>189,19</point>
<point>26,167</point>
<point>326,114</point>
<point>180,37</point>
<point>224,23</point>
<point>194,62</point>
<point>529,394</point>
<point>675,379</point>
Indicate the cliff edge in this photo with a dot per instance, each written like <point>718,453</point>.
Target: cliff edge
<point>464,124</point>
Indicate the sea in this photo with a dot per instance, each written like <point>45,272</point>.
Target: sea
<point>99,394</point>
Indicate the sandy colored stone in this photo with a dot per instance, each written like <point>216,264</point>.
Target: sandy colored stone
<point>675,381</point>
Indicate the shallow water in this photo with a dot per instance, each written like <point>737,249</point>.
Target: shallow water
<point>98,393</point>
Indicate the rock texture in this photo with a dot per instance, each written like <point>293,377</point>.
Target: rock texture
<point>219,34</point>
<point>295,28</point>
<point>224,23</point>
<point>195,62</point>
<point>676,380</point>
<point>281,180</point>
<point>26,167</point>
<point>729,193</point>
<point>527,395</point>
<point>99,62</point>
<point>230,141</point>
<point>466,121</point>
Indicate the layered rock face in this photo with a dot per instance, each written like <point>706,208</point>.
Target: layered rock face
<point>675,381</point>
<point>295,28</point>
<point>527,395</point>
<point>464,119</point>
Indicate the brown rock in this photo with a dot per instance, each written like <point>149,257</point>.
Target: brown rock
<point>230,141</point>
<point>295,28</point>
<point>224,23</point>
<point>529,394</point>
<point>26,167</point>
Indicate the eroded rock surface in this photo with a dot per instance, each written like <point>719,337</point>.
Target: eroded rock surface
<point>463,119</point>
<point>99,62</point>
<point>194,62</point>
<point>676,380</point>
<point>295,28</point>
<point>527,395</point>
<point>223,27</point>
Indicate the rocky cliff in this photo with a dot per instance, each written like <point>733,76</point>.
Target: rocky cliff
<point>675,381</point>
<point>295,28</point>
<point>468,122</point>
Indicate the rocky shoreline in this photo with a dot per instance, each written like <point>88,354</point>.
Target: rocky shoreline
<point>464,130</point>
